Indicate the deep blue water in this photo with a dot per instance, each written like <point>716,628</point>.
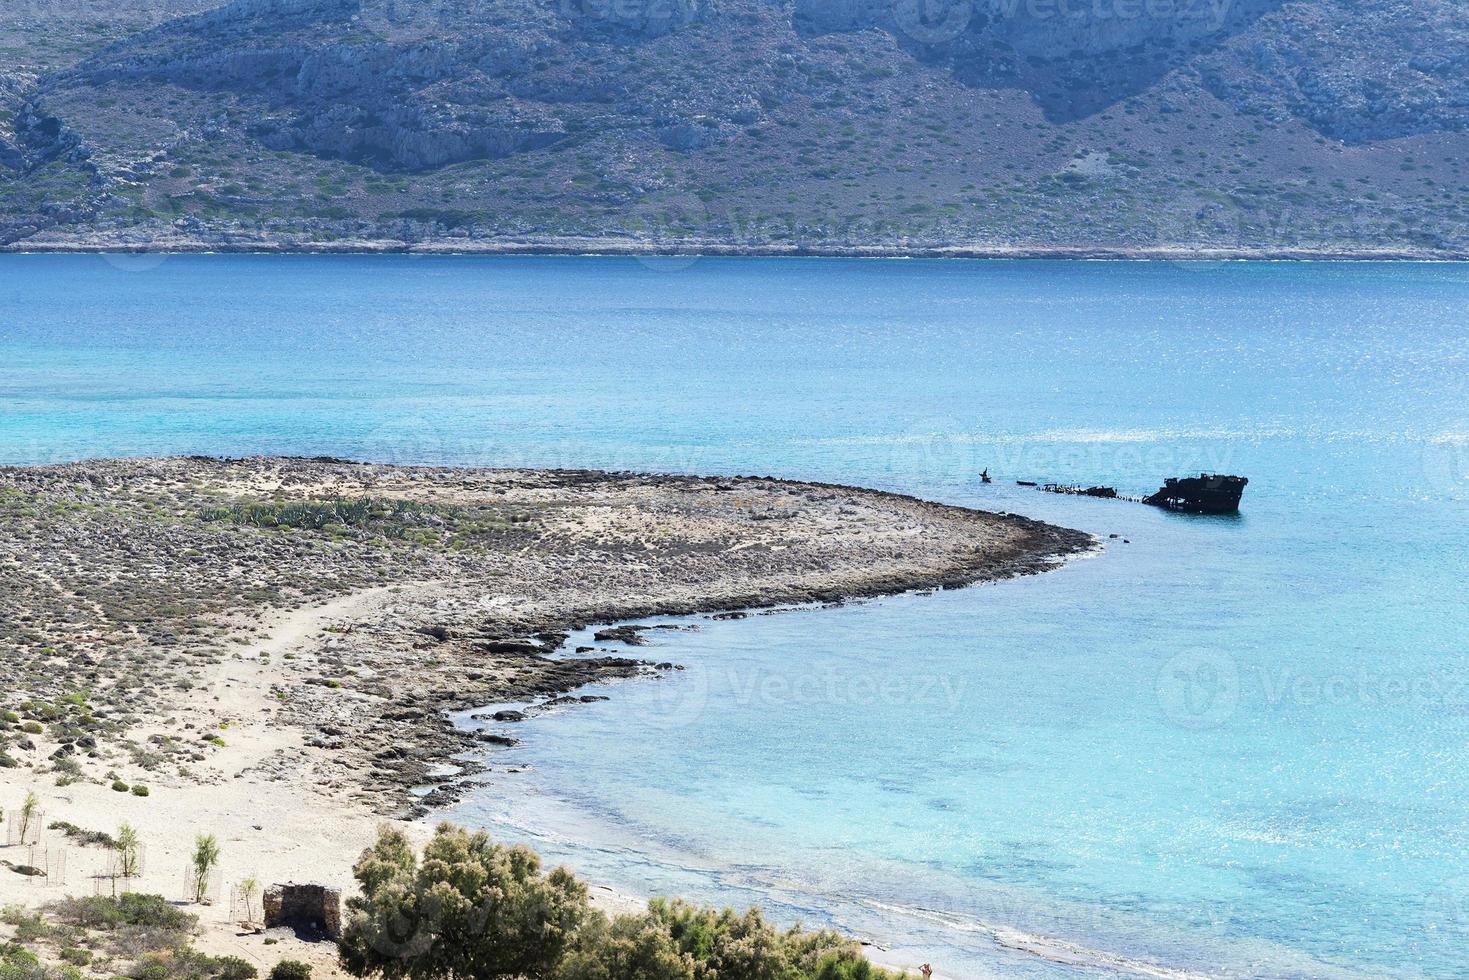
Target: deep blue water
<point>1227,747</point>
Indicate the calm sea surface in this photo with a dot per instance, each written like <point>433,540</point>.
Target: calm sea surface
<point>1231,747</point>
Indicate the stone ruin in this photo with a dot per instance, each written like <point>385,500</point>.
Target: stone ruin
<point>314,909</point>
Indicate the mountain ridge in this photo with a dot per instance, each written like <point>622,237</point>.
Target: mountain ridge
<point>1010,127</point>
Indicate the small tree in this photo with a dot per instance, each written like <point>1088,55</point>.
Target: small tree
<point>30,811</point>
<point>249,890</point>
<point>206,857</point>
<point>470,908</point>
<point>129,850</point>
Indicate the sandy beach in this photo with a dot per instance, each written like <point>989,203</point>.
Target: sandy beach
<point>272,646</point>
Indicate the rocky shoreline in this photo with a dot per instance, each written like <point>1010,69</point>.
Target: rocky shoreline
<point>590,247</point>
<point>158,607</point>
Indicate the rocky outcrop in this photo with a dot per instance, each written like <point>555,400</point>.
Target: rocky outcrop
<point>43,138</point>
<point>1406,71</point>
<point>414,137</point>
<point>1356,70</point>
<point>1074,57</point>
<point>1044,30</point>
<point>640,19</point>
<point>404,89</point>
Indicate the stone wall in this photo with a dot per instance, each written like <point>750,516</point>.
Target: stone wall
<point>310,907</point>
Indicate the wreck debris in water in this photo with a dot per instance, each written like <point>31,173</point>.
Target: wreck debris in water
<point>1207,493</point>
<point>1108,493</point>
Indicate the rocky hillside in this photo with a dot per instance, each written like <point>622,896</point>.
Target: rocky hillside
<point>1334,126</point>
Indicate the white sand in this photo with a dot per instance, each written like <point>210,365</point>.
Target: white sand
<point>274,831</point>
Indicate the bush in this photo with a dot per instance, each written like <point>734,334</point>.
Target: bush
<point>140,790</point>
<point>676,941</point>
<point>118,786</point>
<point>234,968</point>
<point>291,970</point>
<point>154,912</point>
<point>29,926</point>
<point>86,838</point>
<point>132,910</point>
<point>470,908</point>
<point>185,963</point>
<point>17,963</point>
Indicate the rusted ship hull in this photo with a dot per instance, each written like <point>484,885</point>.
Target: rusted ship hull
<point>1206,493</point>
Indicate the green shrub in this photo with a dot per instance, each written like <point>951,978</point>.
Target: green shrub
<point>440,901</point>
<point>86,838</point>
<point>76,955</point>
<point>18,963</point>
<point>29,926</point>
<point>677,941</point>
<point>472,908</point>
<point>290,970</point>
<point>140,790</point>
<point>146,912</point>
<point>119,786</point>
<point>234,968</point>
<point>186,963</point>
<point>152,968</point>
<point>388,517</point>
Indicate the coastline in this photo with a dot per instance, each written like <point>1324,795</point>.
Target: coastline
<point>597,247</point>
<point>292,723</point>
<point>895,936</point>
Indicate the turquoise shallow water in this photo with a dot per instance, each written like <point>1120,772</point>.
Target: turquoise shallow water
<point>1228,747</point>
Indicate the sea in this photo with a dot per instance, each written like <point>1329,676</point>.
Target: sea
<point>1228,746</point>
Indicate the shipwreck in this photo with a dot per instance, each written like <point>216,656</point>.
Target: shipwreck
<point>1207,493</point>
<point>1107,493</point>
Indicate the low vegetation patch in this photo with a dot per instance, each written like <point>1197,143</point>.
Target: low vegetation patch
<point>133,923</point>
<point>86,838</point>
<point>390,518</point>
<point>474,908</point>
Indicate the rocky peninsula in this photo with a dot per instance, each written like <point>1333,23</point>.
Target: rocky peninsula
<point>155,609</point>
<point>267,651</point>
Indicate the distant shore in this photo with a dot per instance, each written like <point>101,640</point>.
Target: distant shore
<point>696,248</point>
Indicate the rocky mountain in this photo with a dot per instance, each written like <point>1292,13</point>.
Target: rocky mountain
<point>1328,126</point>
